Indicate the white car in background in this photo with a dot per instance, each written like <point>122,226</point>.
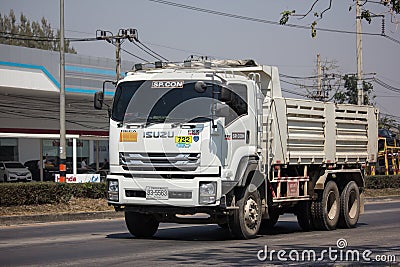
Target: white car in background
<point>14,171</point>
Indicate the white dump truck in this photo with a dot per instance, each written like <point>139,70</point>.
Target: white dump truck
<point>215,142</point>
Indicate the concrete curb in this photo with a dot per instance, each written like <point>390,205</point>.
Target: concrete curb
<point>43,218</point>
<point>382,199</point>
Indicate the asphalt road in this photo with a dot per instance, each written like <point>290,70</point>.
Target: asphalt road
<point>108,243</point>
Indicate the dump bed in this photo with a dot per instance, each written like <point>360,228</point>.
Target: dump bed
<point>311,132</point>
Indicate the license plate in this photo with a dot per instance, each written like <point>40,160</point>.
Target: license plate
<point>184,139</point>
<point>156,192</point>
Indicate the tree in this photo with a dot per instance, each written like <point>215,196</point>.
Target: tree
<point>392,5</point>
<point>350,94</point>
<point>30,34</point>
<point>388,123</point>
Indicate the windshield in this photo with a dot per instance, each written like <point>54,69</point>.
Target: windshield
<point>162,101</point>
<point>14,165</point>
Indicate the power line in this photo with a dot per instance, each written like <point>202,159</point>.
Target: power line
<point>152,50</point>
<point>147,52</point>
<point>299,84</point>
<point>383,96</point>
<point>229,15</point>
<point>174,48</point>
<point>391,39</point>
<point>129,53</point>
<point>390,116</point>
<point>293,92</point>
<point>298,77</point>
<point>234,16</point>
<point>386,86</point>
<point>24,37</point>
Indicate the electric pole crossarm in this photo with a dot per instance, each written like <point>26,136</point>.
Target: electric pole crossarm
<point>117,40</point>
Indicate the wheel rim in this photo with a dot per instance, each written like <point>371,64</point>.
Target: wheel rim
<point>332,205</point>
<point>251,213</point>
<point>353,204</point>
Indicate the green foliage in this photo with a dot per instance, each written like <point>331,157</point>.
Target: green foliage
<point>36,193</point>
<point>393,4</point>
<point>365,14</point>
<point>382,181</point>
<point>388,123</point>
<point>25,31</point>
<point>350,94</point>
<point>285,16</point>
<point>313,30</point>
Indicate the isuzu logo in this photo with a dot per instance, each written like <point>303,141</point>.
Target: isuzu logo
<point>163,134</point>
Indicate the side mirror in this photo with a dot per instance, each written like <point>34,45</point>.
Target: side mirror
<point>225,95</point>
<point>200,87</point>
<point>98,100</point>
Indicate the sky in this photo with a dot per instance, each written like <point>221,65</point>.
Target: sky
<point>176,33</point>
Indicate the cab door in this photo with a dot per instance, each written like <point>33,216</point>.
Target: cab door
<point>239,124</point>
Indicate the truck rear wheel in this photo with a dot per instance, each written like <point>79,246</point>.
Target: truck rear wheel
<point>245,221</point>
<point>349,206</point>
<point>141,225</point>
<point>303,213</point>
<point>325,210</point>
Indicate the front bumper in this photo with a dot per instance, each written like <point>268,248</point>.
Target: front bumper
<point>15,177</point>
<point>181,192</point>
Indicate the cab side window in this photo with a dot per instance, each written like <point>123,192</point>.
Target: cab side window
<point>237,102</point>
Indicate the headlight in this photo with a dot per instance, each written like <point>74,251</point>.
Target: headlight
<point>207,192</point>
<point>113,190</point>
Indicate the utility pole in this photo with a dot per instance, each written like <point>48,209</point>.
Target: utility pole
<point>63,150</point>
<point>359,54</point>
<point>118,57</point>
<point>117,40</point>
<point>319,79</point>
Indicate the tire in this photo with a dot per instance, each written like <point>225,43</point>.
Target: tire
<point>245,221</point>
<point>349,206</point>
<point>326,209</point>
<point>141,225</point>
<point>304,217</point>
<point>268,224</point>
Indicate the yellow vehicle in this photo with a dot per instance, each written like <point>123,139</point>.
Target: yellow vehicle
<point>388,157</point>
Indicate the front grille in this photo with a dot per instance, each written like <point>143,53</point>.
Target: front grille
<point>159,161</point>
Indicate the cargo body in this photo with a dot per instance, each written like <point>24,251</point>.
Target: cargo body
<point>218,138</point>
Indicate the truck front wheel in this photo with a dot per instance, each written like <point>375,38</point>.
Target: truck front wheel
<point>245,222</point>
<point>325,210</point>
<point>141,225</point>
<point>349,206</point>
